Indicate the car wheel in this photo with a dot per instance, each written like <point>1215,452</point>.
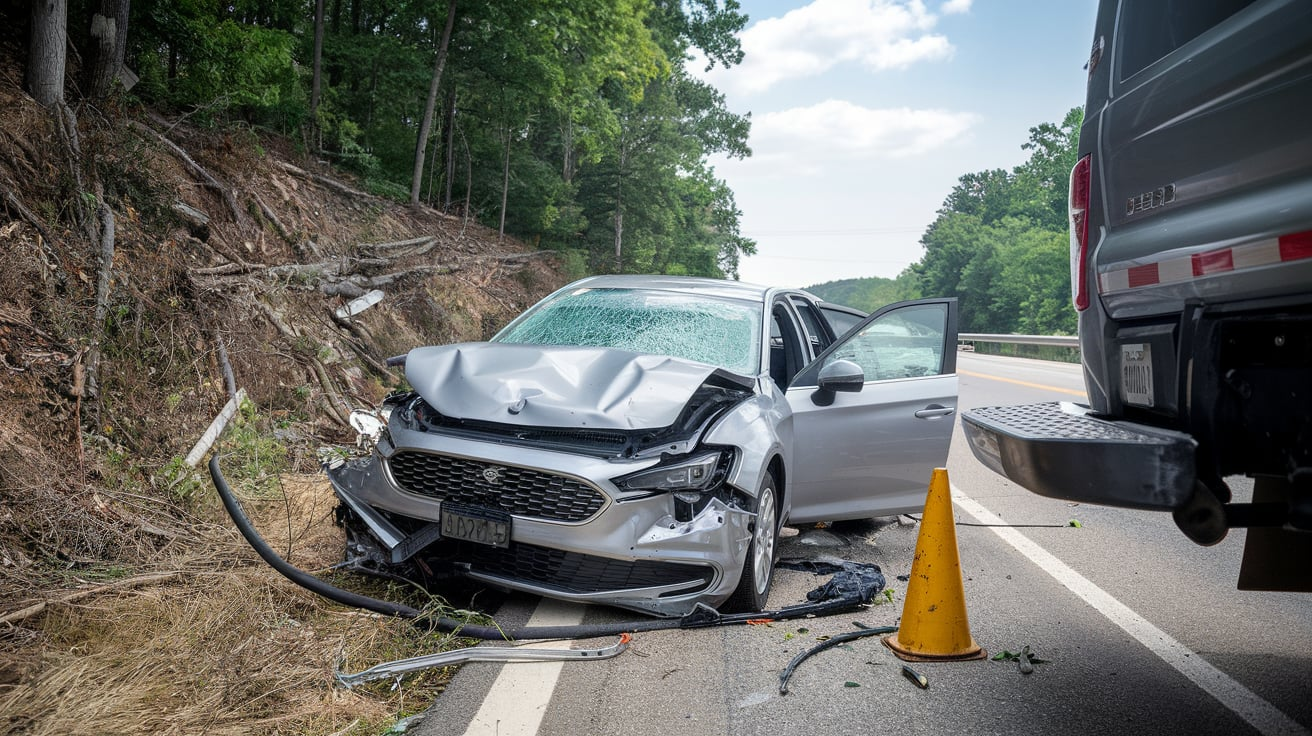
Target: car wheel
<point>758,568</point>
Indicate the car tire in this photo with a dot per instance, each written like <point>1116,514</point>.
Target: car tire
<point>758,569</point>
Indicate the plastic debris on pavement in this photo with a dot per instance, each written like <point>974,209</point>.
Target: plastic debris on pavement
<point>855,579</point>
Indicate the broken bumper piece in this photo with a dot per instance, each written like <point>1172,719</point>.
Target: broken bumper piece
<point>402,667</point>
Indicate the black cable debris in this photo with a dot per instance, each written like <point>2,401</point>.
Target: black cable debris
<point>699,617</point>
<point>832,641</point>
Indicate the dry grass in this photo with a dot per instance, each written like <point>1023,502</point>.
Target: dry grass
<point>227,646</point>
<point>128,603</point>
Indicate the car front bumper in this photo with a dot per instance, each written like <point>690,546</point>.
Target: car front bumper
<point>599,545</point>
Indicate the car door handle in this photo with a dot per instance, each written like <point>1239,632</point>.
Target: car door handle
<point>934,411</point>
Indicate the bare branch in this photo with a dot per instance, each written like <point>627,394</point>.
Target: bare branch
<point>196,169</point>
<point>273,219</point>
<point>330,183</point>
<point>30,611</point>
<point>51,259</point>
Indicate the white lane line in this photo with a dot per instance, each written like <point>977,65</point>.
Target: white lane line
<point>1260,714</point>
<point>520,695</point>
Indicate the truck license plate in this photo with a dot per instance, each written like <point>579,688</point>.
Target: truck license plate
<point>1137,374</point>
<point>482,526</point>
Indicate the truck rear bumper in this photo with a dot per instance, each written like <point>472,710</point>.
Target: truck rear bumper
<point>1061,450</point>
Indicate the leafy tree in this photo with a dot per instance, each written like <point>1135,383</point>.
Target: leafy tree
<point>869,294</point>
<point>570,123</point>
<point>999,241</point>
<point>426,124</point>
<point>1043,181</point>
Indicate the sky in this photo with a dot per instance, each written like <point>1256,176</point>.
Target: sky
<point>865,113</point>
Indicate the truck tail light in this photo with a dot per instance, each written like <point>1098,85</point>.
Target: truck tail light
<point>1079,215</point>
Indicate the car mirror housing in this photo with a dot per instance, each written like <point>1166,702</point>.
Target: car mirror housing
<point>840,375</point>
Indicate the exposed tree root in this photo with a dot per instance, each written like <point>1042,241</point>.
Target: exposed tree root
<point>196,169</point>
<point>321,179</point>
<point>102,295</point>
<point>49,257</point>
<point>273,220</point>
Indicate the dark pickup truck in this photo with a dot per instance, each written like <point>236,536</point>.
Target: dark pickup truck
<point>1191,270</point>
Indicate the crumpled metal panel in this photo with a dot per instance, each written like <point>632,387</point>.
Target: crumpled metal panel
<point>547,386</point>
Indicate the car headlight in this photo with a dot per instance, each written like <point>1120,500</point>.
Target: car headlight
<point>693,475</point>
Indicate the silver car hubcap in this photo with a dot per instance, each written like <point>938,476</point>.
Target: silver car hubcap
<point>763,559</point>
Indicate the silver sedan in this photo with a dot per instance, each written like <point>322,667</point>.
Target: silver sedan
<point>638,441</point>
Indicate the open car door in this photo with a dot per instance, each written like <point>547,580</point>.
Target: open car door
<point>873,414</point>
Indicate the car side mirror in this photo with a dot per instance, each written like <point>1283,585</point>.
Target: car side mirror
<point>840,375</point>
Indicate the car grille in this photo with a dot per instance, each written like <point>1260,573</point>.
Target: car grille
<point>573,572</point>
<point>519,491</point>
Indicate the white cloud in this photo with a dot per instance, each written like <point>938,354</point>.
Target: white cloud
<point>808,139</point>
<point>877,34</point>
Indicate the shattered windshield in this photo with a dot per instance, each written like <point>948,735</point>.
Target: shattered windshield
<point>720,332</point>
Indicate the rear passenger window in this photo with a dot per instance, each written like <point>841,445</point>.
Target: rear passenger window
<point>1151,29</point>
<point>811,323</point>
<point>841,321</point>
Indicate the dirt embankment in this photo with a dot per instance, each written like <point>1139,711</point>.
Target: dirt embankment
<point>150,269</point>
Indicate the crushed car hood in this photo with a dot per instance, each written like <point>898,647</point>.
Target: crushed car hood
<point>553,386</point>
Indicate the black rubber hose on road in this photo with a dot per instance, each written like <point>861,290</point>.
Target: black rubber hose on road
<point>304,579</point>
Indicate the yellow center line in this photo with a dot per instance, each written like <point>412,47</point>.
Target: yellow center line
<point>1070,391</point>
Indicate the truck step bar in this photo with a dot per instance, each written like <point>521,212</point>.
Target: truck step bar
<point>1061,450</point>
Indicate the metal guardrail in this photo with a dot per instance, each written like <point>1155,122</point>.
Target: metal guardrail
<point>1059,341</point>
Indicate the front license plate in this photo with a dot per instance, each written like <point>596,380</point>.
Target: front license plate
<point>1137,374</point>
<point>470,524</point>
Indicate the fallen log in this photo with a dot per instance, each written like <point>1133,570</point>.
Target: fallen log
<point>198,223</point>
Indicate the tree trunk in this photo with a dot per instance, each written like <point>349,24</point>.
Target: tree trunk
<point>449,129</point>
<point>432,173</point>
<point>619,208</point>
<point>567,143</point>
<point>109,36</point>
<point>505,185</point>
<point>45,61</point>
<point>469,178</point>
<point>426,125</point>
<point>318,66</point>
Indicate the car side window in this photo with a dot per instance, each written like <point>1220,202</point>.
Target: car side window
<point>841,319</point>
<point>904,343</point>
<point>787,355</point>
<point>811,323</point>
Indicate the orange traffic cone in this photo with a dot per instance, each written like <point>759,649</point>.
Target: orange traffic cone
<point>934,625</point>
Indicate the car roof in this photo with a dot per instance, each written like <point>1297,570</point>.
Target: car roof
<point>691,285</point>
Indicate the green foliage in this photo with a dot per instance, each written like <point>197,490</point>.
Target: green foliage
<point>999,243</point>
<point>191,59</point>
<point>252,459</point>
<point>388,189</point>
<point>868,294</point>
<point>578,115</point>
<point>181,480</point>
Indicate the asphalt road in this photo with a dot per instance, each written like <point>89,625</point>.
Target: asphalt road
<point>1142,632</point>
